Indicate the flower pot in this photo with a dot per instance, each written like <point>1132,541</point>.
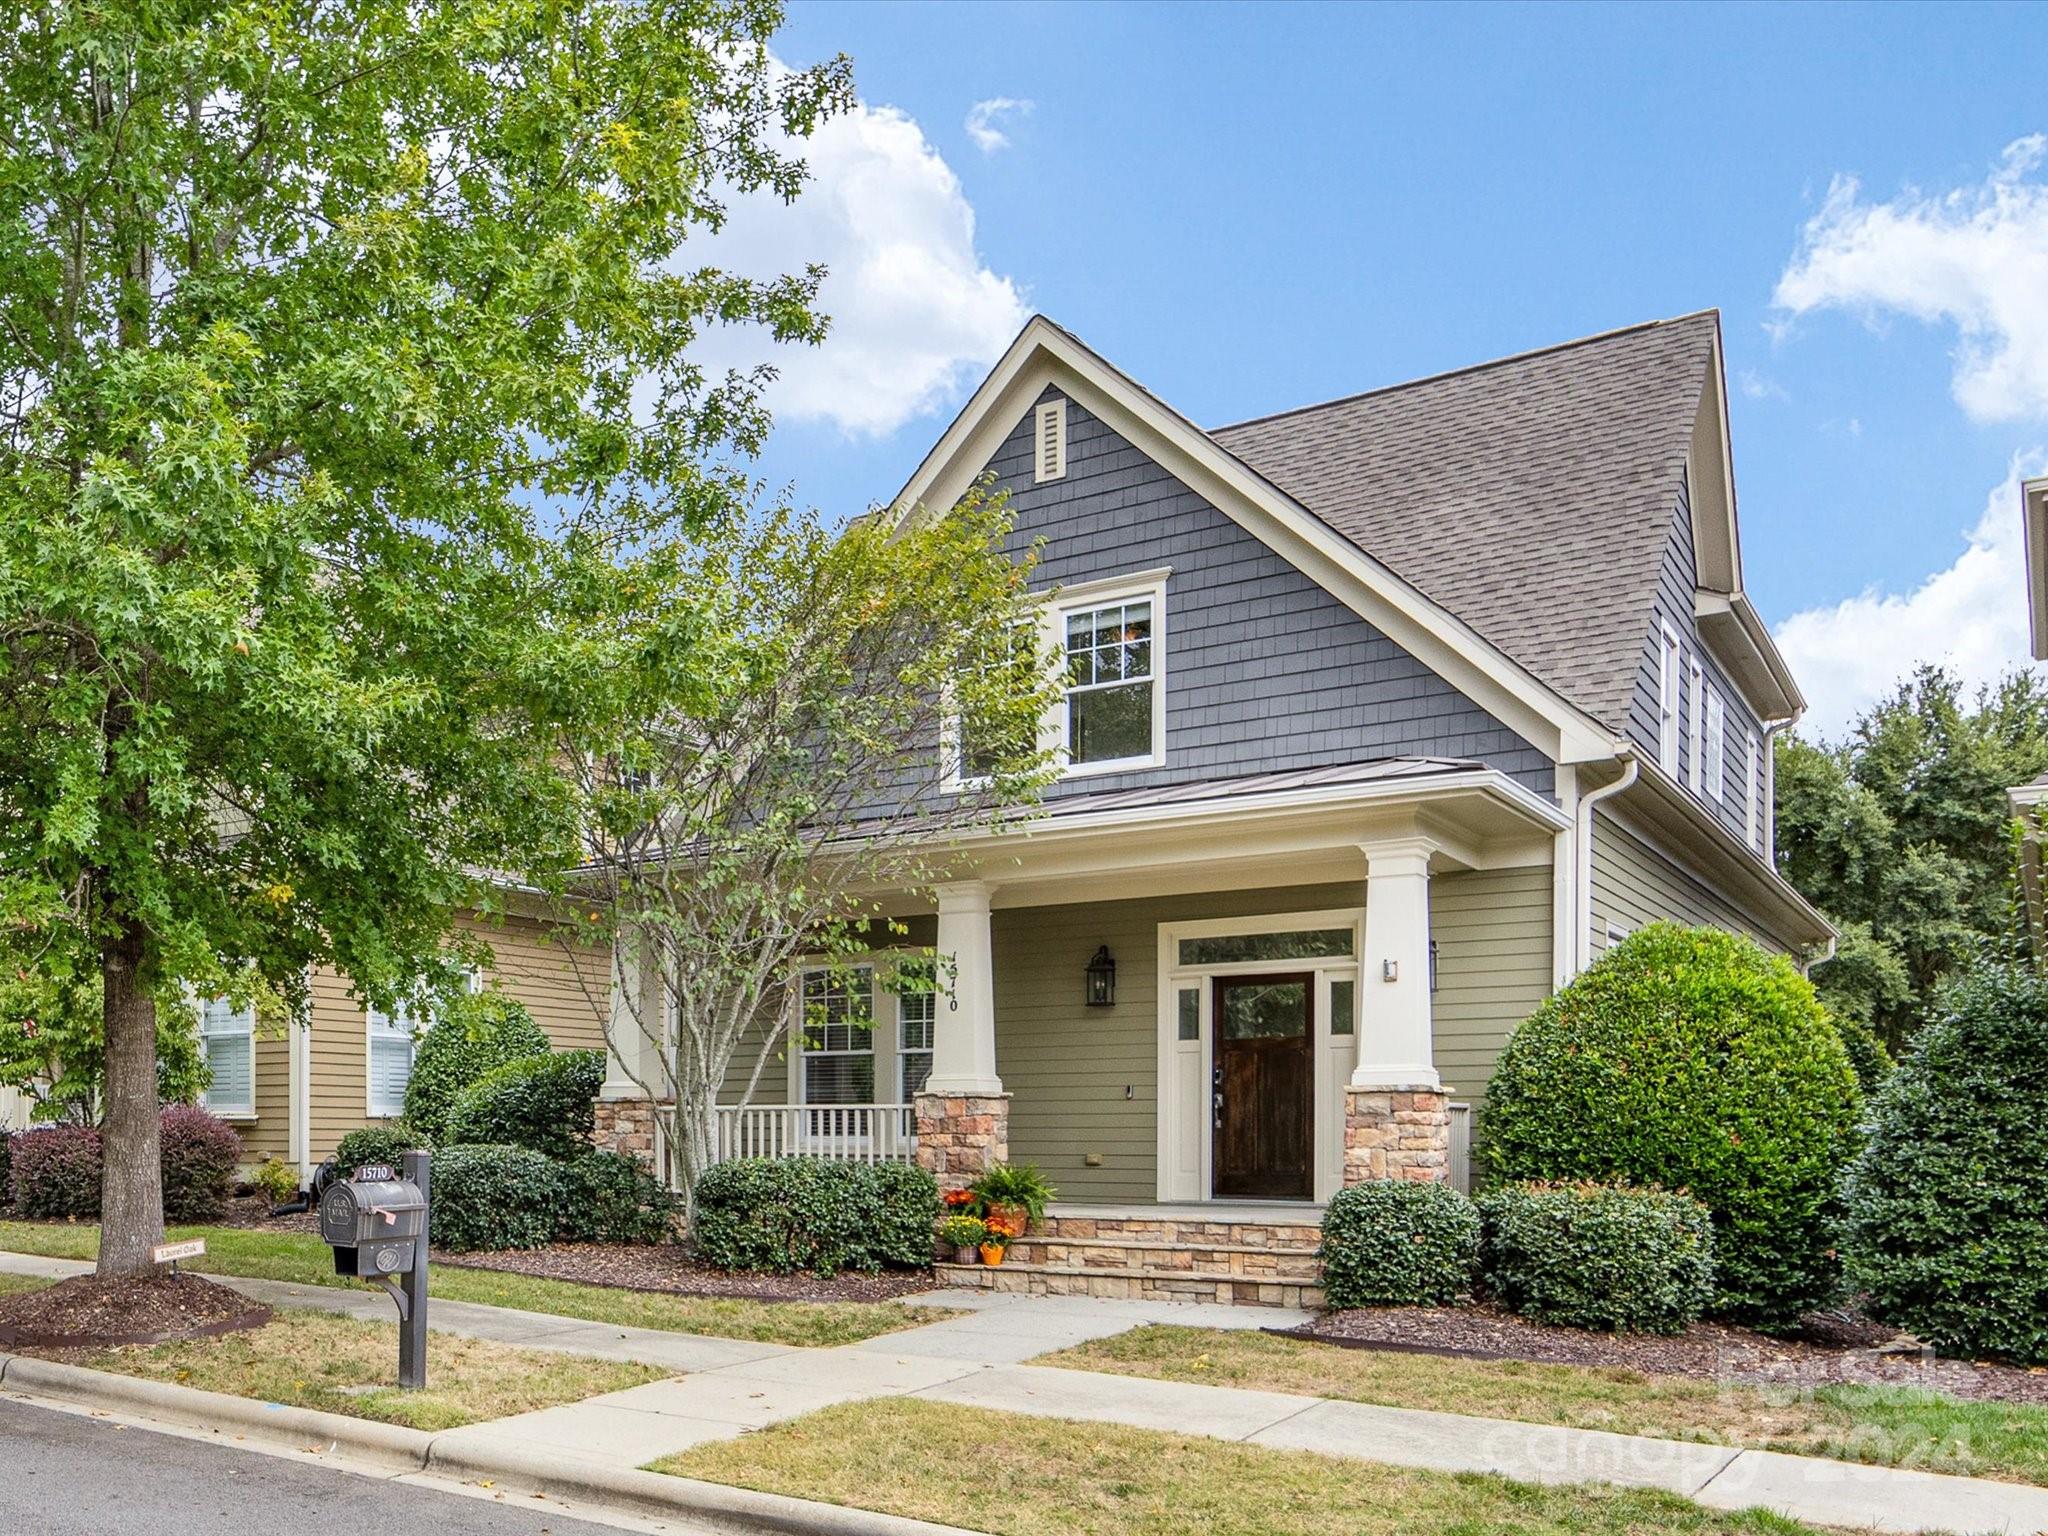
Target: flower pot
<point>966,1253</point>
<point>992,1253</point>
<point>1014,1215</point>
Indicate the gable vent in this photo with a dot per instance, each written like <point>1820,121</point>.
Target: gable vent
<point>1050,462</point>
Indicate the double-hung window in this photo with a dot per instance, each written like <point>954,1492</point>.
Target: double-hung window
<point>1667,701</point>
<point>1696,690</point>
<point>1753,793</point>
<point>1112,682</point>
<point>227,1041</point>
<point>1716,749</point>
<point>837,1036</point>
<point>393,1037</point>
<point>916,1016</point>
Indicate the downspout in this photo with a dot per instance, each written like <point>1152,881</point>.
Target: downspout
<point>1631,769</point>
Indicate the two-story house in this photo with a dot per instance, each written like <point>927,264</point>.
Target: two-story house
<point>1382,718</point>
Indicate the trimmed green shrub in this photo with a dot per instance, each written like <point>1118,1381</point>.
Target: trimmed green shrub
<point>199,1157</point>
<point>608,1197</point>
<point>810,1213</point>
<point>546,1103</point>
<point>473,1032</point>
<point>1598,1256</point>
<point>1945,1204</point>
<point>1397,1242</point>
<point>385,1144</point>
<point>1689,1059</point>
<point>56,1173</point>
<point>276,1180</point>
<point>487,1197</point>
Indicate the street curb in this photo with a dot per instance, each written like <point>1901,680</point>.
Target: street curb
<point>386,1445</point>
<point>397,1449</point>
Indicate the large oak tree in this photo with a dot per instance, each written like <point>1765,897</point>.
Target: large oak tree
<point>344,374</point>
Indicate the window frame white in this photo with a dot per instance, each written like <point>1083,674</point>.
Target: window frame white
<point>1668,703</point>
<point>1089,597</point>
<point>1715,774</point>
<point>905,1052</point>
<point>245,1020</point>
<point>800,1094</point>
<point>380,1025</point>
<point>1753,827</point>
<point>1696,683</point>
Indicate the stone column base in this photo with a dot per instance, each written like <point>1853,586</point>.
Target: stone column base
<point>1397,1133</point>
<point>958,1138</point>
<point>627,1126</point>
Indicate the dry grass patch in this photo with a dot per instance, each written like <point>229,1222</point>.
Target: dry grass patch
<point>300,1259</point>
<point>345,1365</point>
<point>1021,1476</point>
<point>1888,1426</point>
<point>12,1285</point>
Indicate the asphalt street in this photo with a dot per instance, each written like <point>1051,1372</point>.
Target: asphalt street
<point>63,1474</point>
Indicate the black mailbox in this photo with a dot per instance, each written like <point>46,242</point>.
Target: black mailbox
<point>375,1224</point>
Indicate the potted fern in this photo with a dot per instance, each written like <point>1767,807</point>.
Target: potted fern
<point>1016,1192</point>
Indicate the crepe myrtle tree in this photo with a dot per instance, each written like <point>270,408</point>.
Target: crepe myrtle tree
<point>879,693</point>
<point>344,370</point>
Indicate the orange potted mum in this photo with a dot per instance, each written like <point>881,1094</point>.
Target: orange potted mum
<point>1002,1230</point>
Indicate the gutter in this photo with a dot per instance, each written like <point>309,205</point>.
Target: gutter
<point>1582,916</point>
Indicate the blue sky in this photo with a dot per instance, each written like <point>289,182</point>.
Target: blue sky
<point>1250,208</point>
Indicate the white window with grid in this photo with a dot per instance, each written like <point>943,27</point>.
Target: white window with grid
<point>1716,748</point>
<point>1667,701</point>
<point>1113,707</point>
<point>227,1041</point>
<point>1696,692</point>
<point>1753,787</point>
<point>393,1037</point>
<point>917,1016</point>
<point>836,1036</point>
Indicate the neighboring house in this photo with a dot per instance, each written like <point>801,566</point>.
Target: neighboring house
<point>293,1092</point>
<point>2027,799</point>
<point>1386,716</point>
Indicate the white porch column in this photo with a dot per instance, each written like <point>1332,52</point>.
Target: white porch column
<point>1396,1045</point>
<point>630,1049</point>
<point>964,1035</point>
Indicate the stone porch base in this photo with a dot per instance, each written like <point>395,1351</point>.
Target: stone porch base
<point>626,1126</point>
<point>1268,1263</point>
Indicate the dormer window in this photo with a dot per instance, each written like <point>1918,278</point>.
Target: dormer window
<point>1049,451</point>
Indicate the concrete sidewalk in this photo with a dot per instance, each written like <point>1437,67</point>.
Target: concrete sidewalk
<point>732,1387</point>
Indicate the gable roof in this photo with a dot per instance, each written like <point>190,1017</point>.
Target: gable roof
<point>1533,496</point>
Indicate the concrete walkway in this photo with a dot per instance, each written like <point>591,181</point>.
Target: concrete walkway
<point>730,1387</point>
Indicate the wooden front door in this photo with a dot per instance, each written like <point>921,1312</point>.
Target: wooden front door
<point>1263,1087</point>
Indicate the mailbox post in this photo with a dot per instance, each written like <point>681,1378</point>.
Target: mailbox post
<point>376,1222</point>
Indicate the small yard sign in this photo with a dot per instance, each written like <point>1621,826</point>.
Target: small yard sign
<point>170,1253</point>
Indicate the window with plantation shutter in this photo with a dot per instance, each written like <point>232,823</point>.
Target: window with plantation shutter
<point>227,1041</point>
<point>837,1037</point>
<point>391,1040</point>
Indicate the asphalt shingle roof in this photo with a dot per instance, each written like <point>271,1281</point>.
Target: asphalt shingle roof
<point>1532,497</point>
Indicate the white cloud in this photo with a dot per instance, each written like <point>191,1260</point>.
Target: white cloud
<point>916,314</point>
<point>981,121</point>
<point>1975,258</point>
<point>1758,386</point>
<point>1971,616</point>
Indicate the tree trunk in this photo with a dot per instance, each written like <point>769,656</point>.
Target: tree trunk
<point>131,1189</point>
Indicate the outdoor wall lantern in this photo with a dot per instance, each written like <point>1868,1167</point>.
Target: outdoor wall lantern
<point>1101,979</point>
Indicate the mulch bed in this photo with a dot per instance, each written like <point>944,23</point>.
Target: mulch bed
<point>1830,1349</point>
<point>252,1212</point>
<point>86,1312</point>
<point>669,1270</point>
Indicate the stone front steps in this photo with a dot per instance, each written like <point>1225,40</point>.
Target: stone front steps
<point>1268,1263</point>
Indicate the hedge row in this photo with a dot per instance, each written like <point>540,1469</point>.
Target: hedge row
<point>787,1214</point>
<point>492,1197</point>
<point>55,1172</point>
<point>1589,1256</point>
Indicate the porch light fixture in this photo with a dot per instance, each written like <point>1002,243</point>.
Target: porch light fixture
<point>1101,979</point>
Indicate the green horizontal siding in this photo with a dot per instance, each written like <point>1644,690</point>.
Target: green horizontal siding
<point>1634,885</point>
<point>1493,967</point>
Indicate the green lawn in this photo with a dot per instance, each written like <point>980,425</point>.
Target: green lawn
<point>1891,1426</point>
<point>311,1359</point>
<point>1020,1476</point>
<point>303,1259</point>
<point>13,1284</point>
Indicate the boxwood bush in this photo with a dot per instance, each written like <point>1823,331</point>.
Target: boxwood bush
<point>200,1155</point>
<point>1688,1058</point>
<point>1945,1221</point>
<point>385,1144</point>
<point>56,1173</point>
<point>473,1032</point>
<point>545,1103</point>
<point>1598,1256</point>
<point>608,1197</point>
<point>810,1213</point>
<point>487,1197</point>
<point>1396,1242</point>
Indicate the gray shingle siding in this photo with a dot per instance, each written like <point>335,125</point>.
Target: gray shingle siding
<point>1673,605</point>
<point>1265,670</point>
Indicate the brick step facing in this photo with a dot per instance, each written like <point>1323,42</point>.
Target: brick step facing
<point>1266,1237</point>
<point>1024,1279</point>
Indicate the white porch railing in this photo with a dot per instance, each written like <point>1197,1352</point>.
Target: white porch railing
<point>853,1133</point>
<point>1461,1148</point>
